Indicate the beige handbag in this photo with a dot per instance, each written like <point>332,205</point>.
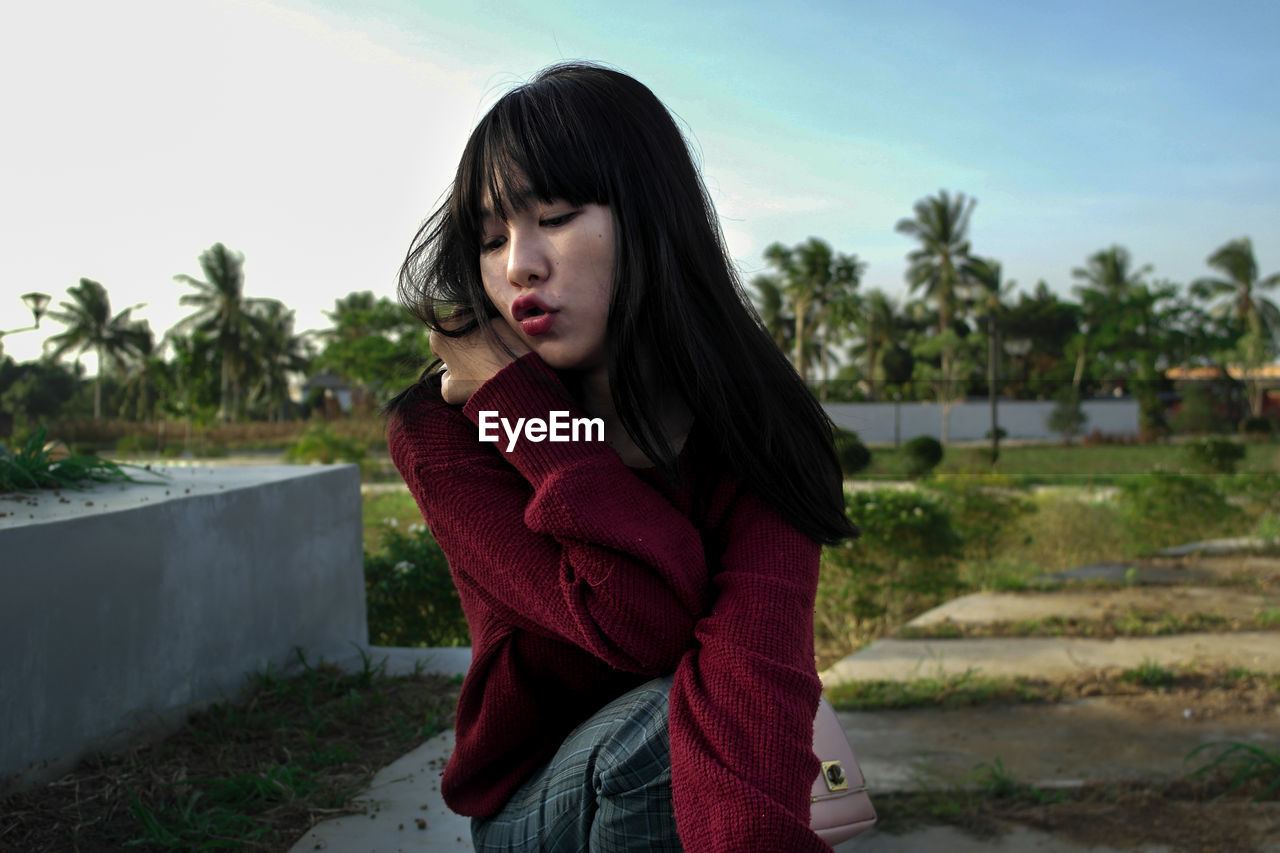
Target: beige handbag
<point>839,805</point>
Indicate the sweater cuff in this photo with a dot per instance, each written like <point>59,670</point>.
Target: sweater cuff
<point>554,433</point>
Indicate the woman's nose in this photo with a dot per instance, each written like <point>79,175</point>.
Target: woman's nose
<point>527,262</point>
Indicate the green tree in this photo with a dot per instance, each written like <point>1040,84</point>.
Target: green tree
<point>144,379</point>
<point>879,327</point>
<point>34,392</point>
<point>941,225</point>
<point>1108,282</point>
<point>222,312</point>
<point>1257,318</point>
<point>192,382</point>
<point>820,286</point>
<point>91,326</point>
<point>277,353</point>
<point>1046,324</point>
<point>374,343</point>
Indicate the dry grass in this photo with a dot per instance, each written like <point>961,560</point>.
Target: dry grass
<point>253,774</point>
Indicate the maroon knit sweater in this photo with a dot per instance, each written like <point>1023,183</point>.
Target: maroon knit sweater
<point>582,578</point>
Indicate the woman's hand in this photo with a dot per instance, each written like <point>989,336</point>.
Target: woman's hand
<point>473,359</point>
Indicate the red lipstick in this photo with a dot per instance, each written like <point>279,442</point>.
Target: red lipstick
<point>534,315</point>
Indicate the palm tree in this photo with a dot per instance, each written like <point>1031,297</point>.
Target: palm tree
<point>820,285</point>
<point>144,376</point>
<point>771,303</point>
<point>941,225</point>
<point>878,326</point>
<point>1109,283</point>
<point>91,326</point>
<point>987,292</point>
<point>277,352</point>
<point>222,313</point>
<point>1257,317</point>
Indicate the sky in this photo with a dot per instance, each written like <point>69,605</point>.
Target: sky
<point>314,136</point>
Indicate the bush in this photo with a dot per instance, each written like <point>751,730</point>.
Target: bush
<point>852,453</point>
<point>1067,417</point>
<point>1162,509</point>
<point>923,455</point>
<point>409,593</point>
<point>980,508</point>
<point>1257,426</point>
<point>904,562</point>
<point>131,444</point>
<point>321,444</point>
<point>1214,454</point>
<point>1255,493</point>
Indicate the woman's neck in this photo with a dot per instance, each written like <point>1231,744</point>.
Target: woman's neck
<point>674,419</point>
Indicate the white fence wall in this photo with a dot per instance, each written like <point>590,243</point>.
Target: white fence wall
<point>971,419</point>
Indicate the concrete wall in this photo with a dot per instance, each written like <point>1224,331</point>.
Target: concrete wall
<point>971,419</point>
<point>124,608</point>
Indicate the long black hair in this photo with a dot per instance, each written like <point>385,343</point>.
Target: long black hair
<point>587,134</point>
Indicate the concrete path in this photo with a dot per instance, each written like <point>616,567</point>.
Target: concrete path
<point>1050,657</point>
<point>1094,739</point>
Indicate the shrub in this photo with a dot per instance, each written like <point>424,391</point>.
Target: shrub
<point>135,443</point>
<point>1255,493</point>
<point>1201,410</point>
<point>1214,454</point>
<point>1162,509</point>
<point>1256,426</point>
<point>409,593</point>
<point>852,453</point>
<point>981,507</point>
<point>923,454</point>
<point>904,562</point>
<point>1067,417</point>
<point>321,444</point>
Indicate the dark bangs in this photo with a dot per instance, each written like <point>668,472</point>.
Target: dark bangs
<point>534,145</point>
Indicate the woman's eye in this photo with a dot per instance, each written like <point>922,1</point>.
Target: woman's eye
<point>494,243</point>
<point>563,218</point>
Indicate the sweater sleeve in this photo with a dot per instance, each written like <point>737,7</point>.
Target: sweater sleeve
<point>556,537</point>
<point>744,697</point>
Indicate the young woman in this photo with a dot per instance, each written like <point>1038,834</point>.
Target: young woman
<point>640,597</point>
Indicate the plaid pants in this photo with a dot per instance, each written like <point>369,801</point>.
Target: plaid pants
<point>607,790</point>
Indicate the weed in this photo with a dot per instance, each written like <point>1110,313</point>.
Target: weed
<point>1149,674</point>
<point>1243,762</point>
<point>944,691</point>
<point>33,466</point>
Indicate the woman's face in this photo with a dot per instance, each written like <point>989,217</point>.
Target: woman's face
<point>549,270</point>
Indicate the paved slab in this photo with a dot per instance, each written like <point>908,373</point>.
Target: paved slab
<point>1098,739</point>
<point>1049,657</point>
<point>404,811</point>
<point>945,839</point>
<point>984,608</point>
<point>1131,572</point>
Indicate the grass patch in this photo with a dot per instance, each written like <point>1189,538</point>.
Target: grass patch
<point>1077,465</point>
<point>387,509</point>
<point>1131,623</point>
<point>1200,814</point>
<point>971,688</point>
<point>1150,674</point>
<point>1243,763</point>
<point>950,691</point>
<point>253,774</point>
